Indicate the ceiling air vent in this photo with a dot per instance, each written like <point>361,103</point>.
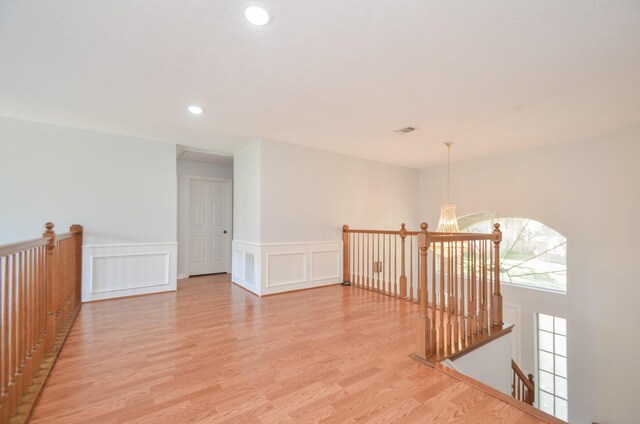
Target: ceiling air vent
<point>405,130</point>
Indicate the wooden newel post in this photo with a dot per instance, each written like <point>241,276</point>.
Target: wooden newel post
<point>50,282</point>
<point>79,231</point>
<point>496,307</point>
<point>403,265</point>
<point>531,395</point>
<point>346,275</point>
<point>424,326</point>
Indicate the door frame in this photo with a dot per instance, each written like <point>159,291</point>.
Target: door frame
<point>229,183</point>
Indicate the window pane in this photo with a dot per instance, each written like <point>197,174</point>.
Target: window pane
<point>545,341</point>
<point>560,326</point>
<point>561,387</point>
<point>561,366</point>
<point>560,345</point>
<point>561,409</point>
<point>546,381</point>
<point>531,253</point>
<point>546,361</point>
<point>546,403</point>
<point>545,322</point>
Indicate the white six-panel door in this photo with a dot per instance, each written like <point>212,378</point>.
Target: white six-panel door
<point>209,226</point>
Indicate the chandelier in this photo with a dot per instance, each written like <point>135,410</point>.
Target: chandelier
<point>448,222</point>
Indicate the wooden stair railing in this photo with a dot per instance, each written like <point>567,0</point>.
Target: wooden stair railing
<point>40,283</point>
<point>522,387</point>
<point>455,277</point>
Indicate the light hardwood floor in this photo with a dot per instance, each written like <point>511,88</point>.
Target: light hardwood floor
<point>214,353</point>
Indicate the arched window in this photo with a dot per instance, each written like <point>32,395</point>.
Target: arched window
<point>531,254</point>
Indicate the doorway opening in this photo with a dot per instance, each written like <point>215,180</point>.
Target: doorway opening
<point>205,199</point>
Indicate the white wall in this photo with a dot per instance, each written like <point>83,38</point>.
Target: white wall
<point>121,189</point>
<point>490,364</point>
<point>588,191</point>
<point>186,168</point>
<point>308,194</point>
<point>247,164</point>
<point>289,215</point>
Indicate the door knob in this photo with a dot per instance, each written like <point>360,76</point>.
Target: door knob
<point>225,231</point>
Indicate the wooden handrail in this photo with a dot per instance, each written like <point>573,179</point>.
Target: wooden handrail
<point>522,387</point>
<point>455,277</point>
<point>9,249</point>
<point>40,282</point>
<point>432,234</point>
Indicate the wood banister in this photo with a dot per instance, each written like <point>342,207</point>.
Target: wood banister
<point>40,283</point>
<point>522,387</point>
<point>457,286</point>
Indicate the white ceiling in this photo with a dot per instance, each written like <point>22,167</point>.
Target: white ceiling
<point>492,75</point>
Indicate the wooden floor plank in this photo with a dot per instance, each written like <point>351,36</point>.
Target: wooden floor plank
<point>214,353</point>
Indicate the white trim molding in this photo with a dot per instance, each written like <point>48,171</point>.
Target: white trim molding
<point>119,270</point>
<point>271,268</point>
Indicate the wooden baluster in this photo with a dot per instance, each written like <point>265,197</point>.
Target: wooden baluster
<point>4,346</point>
<point>384,263</point>
<point>462,298</point>
<point>362,258</point>
<point>447,294</point>
<point>448,330</point>
<point>456,296</point>
<point>442,306</point>
<point>368,265</point>
<point>410,268</point>
<point>14,340</point>
<point>434,296</point>
<point>395,267</point>
<point>424,326</point>
<point>496,300</point>
<point>22,324</point>
<point>418,269</point>
<point>38,306</point>
<point>371,259</point>
<point>28,309</point>
<point>389,292</point>
<point>359,259</point>
<point>473,298</point>
<point>352,258</point>
<point>485,288</point>
<point>377,288</point>
<point>346,278</point>
<point>356,259</point>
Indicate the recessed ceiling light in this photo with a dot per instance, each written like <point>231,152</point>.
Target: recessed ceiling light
<point>196,110</point>
<point>256,15</point>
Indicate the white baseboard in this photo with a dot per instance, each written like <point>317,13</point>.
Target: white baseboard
<point>118,270</point>
<point>280,267</point>
<point>182,276</point>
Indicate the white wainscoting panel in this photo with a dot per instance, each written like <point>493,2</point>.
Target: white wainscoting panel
<point>286,268</point>
<point>271,268</point>
<point>246,265</point>
<point>326,264</point>
<point>118,270</point>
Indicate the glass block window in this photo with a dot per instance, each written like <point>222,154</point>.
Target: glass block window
<point>531,253</point>
<point>552,366</point>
